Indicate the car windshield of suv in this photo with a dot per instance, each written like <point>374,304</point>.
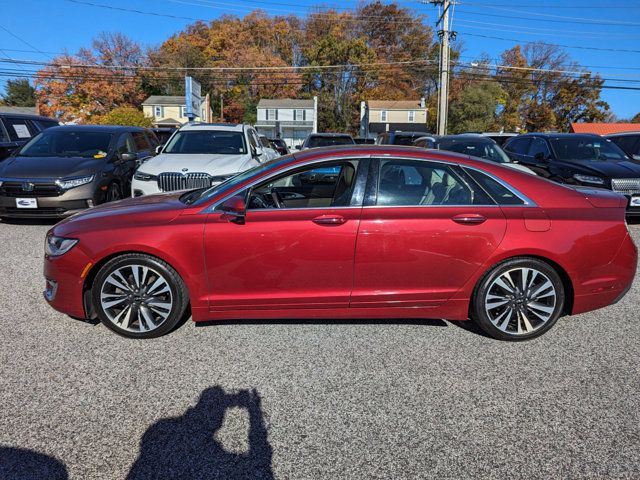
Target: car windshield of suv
<point>475,148</point>
<point>64,143</point>
<point>207,141</point>
<point>315,142</point>
<point>587,149</point>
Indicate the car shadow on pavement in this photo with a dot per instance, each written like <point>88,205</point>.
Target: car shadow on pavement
<point>30,221</point>
<point>25,464</point>
<point>186,447</point>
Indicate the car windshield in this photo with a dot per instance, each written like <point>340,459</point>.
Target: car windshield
<point>203,194</point>
<point>405,139</point>
<point>68,143</point>
<point>207,141</point>
<point>475,148</point>
<point>329,141</point>
<point>587,149</point>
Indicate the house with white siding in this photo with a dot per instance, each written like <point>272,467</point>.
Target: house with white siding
<point>290,119</point>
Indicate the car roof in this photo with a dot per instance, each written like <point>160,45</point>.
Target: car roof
<point>468,136</point>
<point>622,134</point>
<point>97,128</point>
<point>368,149</point>
<point>329,134</point>
<point>558,135</point>
<point>228,127</point>
<point>401,133</point>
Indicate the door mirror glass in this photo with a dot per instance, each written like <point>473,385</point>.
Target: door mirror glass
<point>636,157</point>
<point>127,157</point>
<point>257,151</point>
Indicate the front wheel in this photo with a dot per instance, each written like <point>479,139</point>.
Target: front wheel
<point>139,296</point>
<point>518,299</point>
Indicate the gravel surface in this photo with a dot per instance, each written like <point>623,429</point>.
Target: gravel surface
<point>309,400</point>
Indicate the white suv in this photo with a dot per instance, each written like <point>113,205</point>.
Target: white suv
<point>197,156</point>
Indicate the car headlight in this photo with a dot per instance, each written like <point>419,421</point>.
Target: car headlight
<point>66,184</point>
<point>589,179</point>
<point>144,177</point>
<point>56,246</point>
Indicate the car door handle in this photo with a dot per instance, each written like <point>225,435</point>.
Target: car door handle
<point>329,220</point>
<point>469,219</point>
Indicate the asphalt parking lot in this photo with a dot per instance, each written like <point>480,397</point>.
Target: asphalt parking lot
<point>310,400</point>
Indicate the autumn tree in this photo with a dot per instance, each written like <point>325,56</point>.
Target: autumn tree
<point>19,93</point>
<point>129,116</point>
<point>96,80</point>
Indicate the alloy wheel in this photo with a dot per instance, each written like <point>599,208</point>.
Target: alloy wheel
<point>136,298</point>
<point>520,301</point>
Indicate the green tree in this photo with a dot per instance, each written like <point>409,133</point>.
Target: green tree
<point>19,93</point>
<point>126,116</point>
<point>636,118</point>
<point>476,108</point>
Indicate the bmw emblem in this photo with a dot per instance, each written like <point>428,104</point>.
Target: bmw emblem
<point>185,169</point>
<point>27,187</point>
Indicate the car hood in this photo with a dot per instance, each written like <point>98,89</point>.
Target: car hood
<point>149,209</point>
<point>205,163</point>
<point>625,169</point>
<point>48,167</point>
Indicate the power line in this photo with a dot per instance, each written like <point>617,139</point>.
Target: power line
<point>579,20</point>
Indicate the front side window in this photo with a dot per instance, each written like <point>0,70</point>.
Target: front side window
<point>65,143</point>
<point>518,145</point>
<point>126,144</point>
<point>539,149</point>
<point>318,186</point>
<point>415,183</point>
<point>321,141</point>
<point>140,141</point>
<point>207,142</point>
<point>587,149</point>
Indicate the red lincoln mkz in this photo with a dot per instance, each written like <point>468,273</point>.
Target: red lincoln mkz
<point>344,232</point>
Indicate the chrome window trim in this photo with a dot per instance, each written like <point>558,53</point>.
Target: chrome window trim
<point>212,208</point>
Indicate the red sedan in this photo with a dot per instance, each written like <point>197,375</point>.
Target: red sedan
<point>344,232</point>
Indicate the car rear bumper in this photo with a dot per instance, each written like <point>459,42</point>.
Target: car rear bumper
<point>64,281</point>
<point>606,285</point>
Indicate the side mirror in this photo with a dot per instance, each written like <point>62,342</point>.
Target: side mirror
<point>127,157</point>
<point>257,151</point>
<point>159,149</point>
<point>233,209</point>
<point>636,157</point>
<point>298,147</point>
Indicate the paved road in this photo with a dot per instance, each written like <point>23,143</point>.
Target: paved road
<point>310,400</point>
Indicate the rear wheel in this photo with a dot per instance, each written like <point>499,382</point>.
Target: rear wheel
<point>113,193</point>
<point>139,296</point>
<point>518,299</point>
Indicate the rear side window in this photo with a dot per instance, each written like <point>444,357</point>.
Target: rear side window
<point>628,143</point>
<point>141,141</point>
<point>518,145</point>
<point>17,128</point>
<point>418,183</point>
<point>500,194</point>
<point>539,147</point>
<point>44,124</point>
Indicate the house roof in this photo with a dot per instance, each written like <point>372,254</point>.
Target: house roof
<point>395,104</point>
<point>27,110</point>
<point>284,103</point>
<point>168,121</point>
<point>604,128</point>
<point>165,100</point>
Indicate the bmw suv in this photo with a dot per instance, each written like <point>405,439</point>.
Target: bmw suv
<point>579,159</point>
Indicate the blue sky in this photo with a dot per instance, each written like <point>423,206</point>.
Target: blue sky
<point>602,29</point>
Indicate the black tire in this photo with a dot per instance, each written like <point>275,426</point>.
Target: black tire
<point>514,321</point>
<point>176,293</point>
<point>113,193</point>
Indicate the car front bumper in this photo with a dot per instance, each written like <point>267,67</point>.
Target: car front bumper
<point>64,281</point>
<point>140,187</point>
<point>68,203</point>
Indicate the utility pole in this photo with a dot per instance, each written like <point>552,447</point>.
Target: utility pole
<point>221,108</point>
<point>445,35</point>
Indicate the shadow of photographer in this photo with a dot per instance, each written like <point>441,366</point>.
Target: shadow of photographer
<point>185,447</point>
<point>25,464</point>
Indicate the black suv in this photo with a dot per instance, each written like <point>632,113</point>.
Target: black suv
<point>579,159</point>
<point>64,170</point>
<point>399,138</point>
<point>16,129</point>
<point>627,141</point>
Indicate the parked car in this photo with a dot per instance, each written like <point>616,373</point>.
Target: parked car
<point>280,146</point>
<point>440,236</point>
<point>200,155</point>
<point>627,141</point>
<point>364,141</point>
<point>267,147</point>
<point>163,134</point>
<point>66,169</point>
<point>17,129</point>
<point>425,142</point>
<point>477,146</point>
<point>579,159</point>
<point>315,140</point>
<point>399,138</point>
<point>500,137</point>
